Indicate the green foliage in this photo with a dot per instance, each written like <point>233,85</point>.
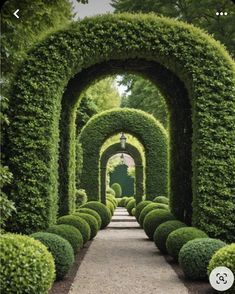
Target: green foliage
<point>133,211</point>
<point>60,249</point>
<point>195,255</point>
<point>131,204</point>
<point>148,130</point>
<point>122,201</point>
<point>154,218</point>
<point>128,200</point>
<point>113,200</point>
<point>92,222</point>
<point>186,58</point>
<point>120,176</point>
<point>77,222</point>
<point>149,208</point>
<point>81,197</point>
<point>91,212</point>
<point>110,206</point>
<point>6,205</point>
<point>224,257</point>
<point>104,94</point>
<point>117,189</point>
<point>139,207</point>
<point>112,148</point>
<point>181,236</point>
<point>161,199</point>
<point>143,94</point>
<point>162,232</point>
<point>69,233</point>
<point>26,265</point>
<point>201,13</point>
<point>102,210</point>
<point>87,108</point>
<point>110,191</point>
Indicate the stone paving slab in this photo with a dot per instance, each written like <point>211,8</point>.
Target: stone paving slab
<point>124,261</point>
<point>123,218</point>
<point>123,225</point>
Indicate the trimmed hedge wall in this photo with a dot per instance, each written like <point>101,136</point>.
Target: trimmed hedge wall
<point>192,70</point>
<point>139,169</point>
<point>145,128</point>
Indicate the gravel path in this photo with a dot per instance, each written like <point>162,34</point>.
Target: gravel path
<point>121,260</point>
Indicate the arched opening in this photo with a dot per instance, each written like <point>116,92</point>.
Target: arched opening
<point>139,170</point>
<point>187,80</point>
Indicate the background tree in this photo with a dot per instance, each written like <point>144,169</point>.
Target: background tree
<point>201,13</point>
<point>144,95</point>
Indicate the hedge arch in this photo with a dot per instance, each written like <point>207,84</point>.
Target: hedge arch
<point>139,169</point>
<point>194,73</point>
<point>145,128</point>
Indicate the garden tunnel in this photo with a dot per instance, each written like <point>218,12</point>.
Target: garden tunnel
<point>145,128</point>
<point>195,75</point>
<point>139,169</point>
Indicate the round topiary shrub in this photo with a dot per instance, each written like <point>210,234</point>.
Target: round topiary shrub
<point>133,211</point>
<point>112,199</point>
<point>154,218</point>
<point>181,236</point>
<point>60,249</point>
<point>91,212</point>
<point>161,199</point>
<point>224,257</point>
<point>131,204</point>
<point>69,233</point>
<point>102,210</point>
<point>110,191</point>
<point>77,222</point>
<point>117,189</point>
<point>139,207</point>
<point>92,222</point>
<point>162,232</point>
<point>110,206</point>
<point>122,201</point>
<point>128,199</point>
<point>195,255</point>
<point>149,208</point>
<point>26,265</point>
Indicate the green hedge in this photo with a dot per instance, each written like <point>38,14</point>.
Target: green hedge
<point>61,251</point>
<point>195,255</point>
<point>154,218</point>
<point>26,265</point>
<point>138,123</point>
<point>91,212</point>
<point>102,210</point>
<point>162,232</point>
<point>77,222</point>
<point>139,169</point>
<point>69,233</point>
<point>181,236</point>
<point>194,73</point>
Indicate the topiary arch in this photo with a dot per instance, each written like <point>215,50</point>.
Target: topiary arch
<point>139,169</point>
<point>145,128</point>
<point>194,73</point>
